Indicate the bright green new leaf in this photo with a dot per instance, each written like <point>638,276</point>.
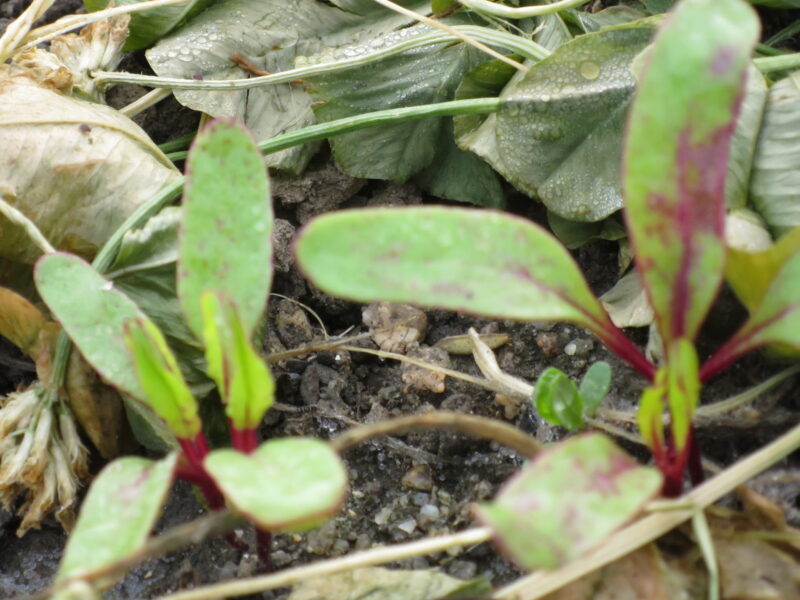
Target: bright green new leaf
<point>776,164</point>
<point>151,25</point>
<point>389,584</point>
<point>567,500</point>
<point>161,379</point>
<point>285,483</point>
<point>245,383</point>
<point>477,261</point>
<point>94,314</point>
<point>683,389</point>
<point>225,242</point>
<point>650,415</point>
<point>594,387</point>
<point>117,515</point>
<point>676,157</point>
<point>557,399</point>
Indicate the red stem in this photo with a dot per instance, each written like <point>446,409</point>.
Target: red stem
<point>721,359</point>
<point>192,470</point>
<point>243,440</point>
<point>264,548</point>
<point>621,345</point>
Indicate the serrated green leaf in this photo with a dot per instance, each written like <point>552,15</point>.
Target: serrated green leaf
<point>285,483</point>
<point>677,156</point>
<point>481,262</point>
<point>161,380</point>
<point>559,131</point>
<point>776,163</point>
<point>557,400</point>
<point>419,76</point>
<point>151,25</point>
<point>594,387</point>
<point>119,511</point>
<point>271,34</point>
<point>389,584</point>
<point>94,314</point>
<point>567,500</point>
<point>245,383</point>
<point>225,242</point>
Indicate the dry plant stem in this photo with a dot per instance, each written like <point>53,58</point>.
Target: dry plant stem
<point>19,27</point>
<point>70,22</point>
<point>487,363</point>
<point>33,232</point>
<point>425,365</point>
<point>375,556</point>
<point>653,526</point>
<point>439,25</point>
<point>151,98</point>
<point>491,429</point>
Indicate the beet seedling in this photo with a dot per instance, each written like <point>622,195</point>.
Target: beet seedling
<point>496,265</point>
<point>224,274</point>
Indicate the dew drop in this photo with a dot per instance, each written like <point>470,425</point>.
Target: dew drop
<point>590,70</point>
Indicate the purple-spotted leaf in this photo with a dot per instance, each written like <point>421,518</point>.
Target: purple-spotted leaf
<point>94,315</point>
<point>482,262</point>
<point>568,500</point>
<point>117,515</point>
<point>285,483</point>
<point>676,157</point>
<point>775,320</point>
<point>227,223</point>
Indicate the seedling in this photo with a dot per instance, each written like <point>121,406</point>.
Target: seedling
<point>676,156</point>
<point>222,287</point>
<point>561,402</point>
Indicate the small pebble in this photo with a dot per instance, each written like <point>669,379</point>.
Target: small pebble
<point>408,526</point>
<point>428,515</point>
<point>420,499</point>
<point>463,569</point>
<point>383,515</point>
<point>419,478</point>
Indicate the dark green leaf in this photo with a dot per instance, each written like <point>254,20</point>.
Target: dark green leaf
<point>594,387</point>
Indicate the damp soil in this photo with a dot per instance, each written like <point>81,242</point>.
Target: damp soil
<point>404,487</point>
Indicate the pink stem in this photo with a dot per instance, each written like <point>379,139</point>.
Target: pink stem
<point>621,345</point>
<point>243,440</point>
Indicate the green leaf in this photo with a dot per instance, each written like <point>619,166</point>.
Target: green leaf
<point>271,34</point>
<point>683,389</point>
<point>225,242</point>
<point>144,269</point>
<point>117,515</point>
<point>568,500</point>
<point>478,261</point>
<point>776,164</point>
<point>677,157</point>
<point>388,584</point>
<point>161,379</point>
<point>286,483</point>
<point>149,26</point>
<point>551,31</point>
<point>557,399</point>
<point>420,76</point>
<point>440,5</point>
<point>558,135</point>
<point>574,234</point>
<point>486,80</point>
<point>594,387</point>
<point>609,17</point>
<point>459,175</point>
<point>650,415</point>
<point>94,315</point>
<point>245,383</point>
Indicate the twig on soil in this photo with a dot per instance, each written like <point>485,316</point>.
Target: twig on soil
<point>149,99</point>
<point>375,556</point>
<point>497,431</point>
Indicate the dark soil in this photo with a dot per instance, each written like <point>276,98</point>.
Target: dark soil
<point>407,487</point>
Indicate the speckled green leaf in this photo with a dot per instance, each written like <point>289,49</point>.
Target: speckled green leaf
<point>117,515</point>
<point>94,314</point>
<point>568,500</point>
<point>285,483</point>
<point>559,131</point>
<point>389,584</point>
<point>151,25</point>
<point>677,157</point>
<point>225,242</point>
<point>775,182</point>
<point>482,262</point>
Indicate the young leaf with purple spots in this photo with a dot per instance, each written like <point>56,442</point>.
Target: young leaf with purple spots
<point>676,160</point>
